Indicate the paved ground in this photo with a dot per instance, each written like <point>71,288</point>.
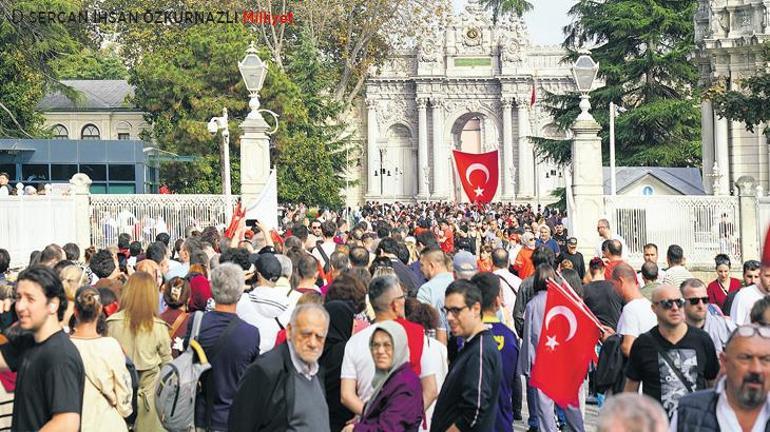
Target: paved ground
<point>592,411</point>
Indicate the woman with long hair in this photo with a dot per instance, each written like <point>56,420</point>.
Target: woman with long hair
<point>144,338</point>
<point>72,277</point>
<point>723,285</point>
<point>107,394</point>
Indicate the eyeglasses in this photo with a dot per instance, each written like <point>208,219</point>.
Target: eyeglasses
<point>749,330</point>
<point>455,311</point>
<point>669,303</point>
<point>316,227</point>
<point>695,300</point>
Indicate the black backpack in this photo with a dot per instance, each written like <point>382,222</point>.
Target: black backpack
<point>610,370</point>
<point>135,387</point>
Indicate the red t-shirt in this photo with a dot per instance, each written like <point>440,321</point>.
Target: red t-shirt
<point>717,296</point>
<point>415,336</point>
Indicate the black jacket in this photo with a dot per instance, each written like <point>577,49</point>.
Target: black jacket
<point>469,396</point>
<point>266,394</point>
<point>697,412</point>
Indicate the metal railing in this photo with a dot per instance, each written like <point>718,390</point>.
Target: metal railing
<point>145,216</point>
<point>29,223</point>
<point>702,225</point>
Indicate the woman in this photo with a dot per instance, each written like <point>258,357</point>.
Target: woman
<point>72,277</point>
<point>152,268</point>
<point>176,293</point>
<point>107,394</point>
<point>341,314</point>
<point>396,404</point>
<point>144,338</point>
<point>485,262</point>
<point>200,289</point>
<point>723,285</point>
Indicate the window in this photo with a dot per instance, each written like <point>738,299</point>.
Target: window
<point>122,173</point>
<point>90,132</point>
<point>124,136</point>
<point>63,172</point>
<point>98,188</point>
<point>60,132</point>
<point>10,169</point>
<point>122,188</point>
<point>95,172</point>
<point>648,190</point>
<point>34,173</point>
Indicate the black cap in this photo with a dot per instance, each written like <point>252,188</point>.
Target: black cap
<point>267,265</point>
<point>572,241</point>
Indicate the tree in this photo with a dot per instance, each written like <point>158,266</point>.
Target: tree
<point>502,7</point>
<point>90,64</point>
<point>643,48</point>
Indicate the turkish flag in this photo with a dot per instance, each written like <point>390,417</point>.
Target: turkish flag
<point>766,253</point>
<point>566,347</point>
<point>478,174</point>
<point>238,214</point>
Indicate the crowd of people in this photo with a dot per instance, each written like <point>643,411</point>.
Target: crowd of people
<point>394,317</point>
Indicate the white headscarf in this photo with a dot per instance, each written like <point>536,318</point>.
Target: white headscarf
<point>400,353</point>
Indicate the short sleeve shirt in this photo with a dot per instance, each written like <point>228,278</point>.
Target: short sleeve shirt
<point>636,318</point>
<point>694,355</point>
<point>50,380</point>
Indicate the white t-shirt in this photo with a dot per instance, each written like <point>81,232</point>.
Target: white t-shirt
<point>637,318</point>
<point>743,302</point>
<point>509,298</point>
<point>436,350</point>
<point>358,364</point>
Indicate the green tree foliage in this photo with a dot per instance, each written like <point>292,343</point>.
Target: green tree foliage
<point>501,7</point>
<point>89,64</point>
<point>643,48</point>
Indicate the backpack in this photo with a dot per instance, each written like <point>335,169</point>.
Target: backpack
<point>134,388</point>
<point>610,369</point>
<point>178,384</point>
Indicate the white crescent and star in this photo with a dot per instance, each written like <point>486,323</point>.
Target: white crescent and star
<point>477,167</point>
<point>566,313</point>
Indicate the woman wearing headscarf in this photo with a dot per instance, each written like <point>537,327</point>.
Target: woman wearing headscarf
<point>396,404</point>
<point>341,313</point>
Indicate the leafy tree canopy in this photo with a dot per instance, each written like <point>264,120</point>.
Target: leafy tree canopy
<point>90,64</point>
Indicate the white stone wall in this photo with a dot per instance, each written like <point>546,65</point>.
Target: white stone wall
<point>108,123</point>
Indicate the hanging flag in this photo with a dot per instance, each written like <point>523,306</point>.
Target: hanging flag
<point>533,95</point>
<point>235,220</point>
<point>766,253</point>
<point>478,175</point>
<point>568,336</point>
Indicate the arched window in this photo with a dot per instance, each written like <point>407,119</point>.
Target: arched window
<point>90,132</point>
<point>60,132</point>
<point>648,190</point>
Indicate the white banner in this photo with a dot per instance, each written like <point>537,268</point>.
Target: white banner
<point>265,209</point>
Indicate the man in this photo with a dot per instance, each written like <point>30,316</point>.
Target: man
<point>649,276</point>
<point>632,411</point>
<point>676,272</point>
<point>265,305</point>
<point>469,397</point>
<point>509,284</point>
<point>540,256</point>
<point>230,344</point>
<point>749,295</point>
<point>560,235</point>
<point>283,390</point>
<point>524,265</point>
<point>434,267</point>
<point>388,247</point>
<point>507,345</point>
<point>697,314</point>
<point>5,187</point>
<point>637,316</point>
<point>324,248</point>
<point>181,266</point>
<point>51,255</point>
<point>307,272</point>
<point>104,267</point>
<point>71,252</point>
<point>359,257</point>
<point>750,277</point>
<point>571,254</point>
<point>603,228</point>
<point>464,265</point>
<point>388,301</point>
<point>446,237</point>
<point>425,241</point>
<point>612,251</point>
<point>672,359</point>
<point>650,251</point>
<point>51,377</point>
<point>339,262</point>
<point>545,239</point>
<point>739,400</point>
<point>5,263</point>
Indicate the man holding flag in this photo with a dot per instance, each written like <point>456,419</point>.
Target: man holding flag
<point>559,330</point>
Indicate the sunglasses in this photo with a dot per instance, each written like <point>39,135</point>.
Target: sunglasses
<point>695,300</point>
<point>669,303</point>
<point>315,227</point>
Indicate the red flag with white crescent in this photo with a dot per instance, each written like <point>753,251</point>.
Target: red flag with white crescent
<point>568,336</point>
<point>478,174</point>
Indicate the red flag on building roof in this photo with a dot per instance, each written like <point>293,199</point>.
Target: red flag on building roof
<point>533,96</point>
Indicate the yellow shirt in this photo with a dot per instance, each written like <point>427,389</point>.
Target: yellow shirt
<point>148,349</point>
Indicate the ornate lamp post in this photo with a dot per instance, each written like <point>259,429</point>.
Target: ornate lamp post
<point>584,70</point>
<point>253,71</point>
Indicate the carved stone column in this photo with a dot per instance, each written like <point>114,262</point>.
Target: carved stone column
<point>721,152</point>
<point>507,156</point>
<point>422,146</point>
<point>372,185</point>
<point>526,158</point>
<point>707,143</point>
<point>438,164</point>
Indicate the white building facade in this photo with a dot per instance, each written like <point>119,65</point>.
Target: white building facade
<point>467,86</point>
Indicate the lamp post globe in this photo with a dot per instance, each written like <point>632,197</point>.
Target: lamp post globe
<point>584,71</point>
<point>253,71</point>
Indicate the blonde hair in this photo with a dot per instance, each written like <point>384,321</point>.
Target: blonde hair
<point>72,277</point>
<point>140,301</point>
<point>151,267</point>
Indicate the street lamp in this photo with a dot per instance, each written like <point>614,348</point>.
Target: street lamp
<point>615,110</point>
<point>253,71</point>
<point>219,124</point>
<point>584,71</point>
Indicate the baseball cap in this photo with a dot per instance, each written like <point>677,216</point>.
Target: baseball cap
<point>572,241</point>
<point>464,261</point>
<point>267,265</point>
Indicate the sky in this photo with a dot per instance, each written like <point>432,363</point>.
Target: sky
<point>544,22</point>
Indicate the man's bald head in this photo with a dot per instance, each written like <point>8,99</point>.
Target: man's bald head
<point>663,292</point>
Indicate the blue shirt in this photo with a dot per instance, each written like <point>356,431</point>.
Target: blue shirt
<point>550,244</point>
<point>433,292</point>
<point>509,354</point>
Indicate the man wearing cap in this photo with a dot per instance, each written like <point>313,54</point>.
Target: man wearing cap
<point>268,303</point>
<point>571,254</point>
<point>464,265</point>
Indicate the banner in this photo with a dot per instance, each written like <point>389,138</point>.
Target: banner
<point>265,209</point>
<point>478,175</point>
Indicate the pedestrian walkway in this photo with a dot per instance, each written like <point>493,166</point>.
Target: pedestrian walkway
<point>592,413</point>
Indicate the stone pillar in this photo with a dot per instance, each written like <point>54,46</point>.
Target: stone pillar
<point>80,190</point>
<point>587,183</point>
<point>255,156</point>
<point>707,144</point>
<point>439,167</point>
<point>422,147</point>
<point>372,185</point>
<point>721,153</point>
<point>526,170</point>
<point>749,226</point>
<point>507,156</point>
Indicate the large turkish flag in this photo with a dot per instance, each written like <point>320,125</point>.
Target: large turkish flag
<point>478,174</point>
<point>567,344</point>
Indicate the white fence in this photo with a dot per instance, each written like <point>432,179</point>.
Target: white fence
<point>763,217</point>
<point>29,223</point>
<point>145,216</point>
<point>702,225</point>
